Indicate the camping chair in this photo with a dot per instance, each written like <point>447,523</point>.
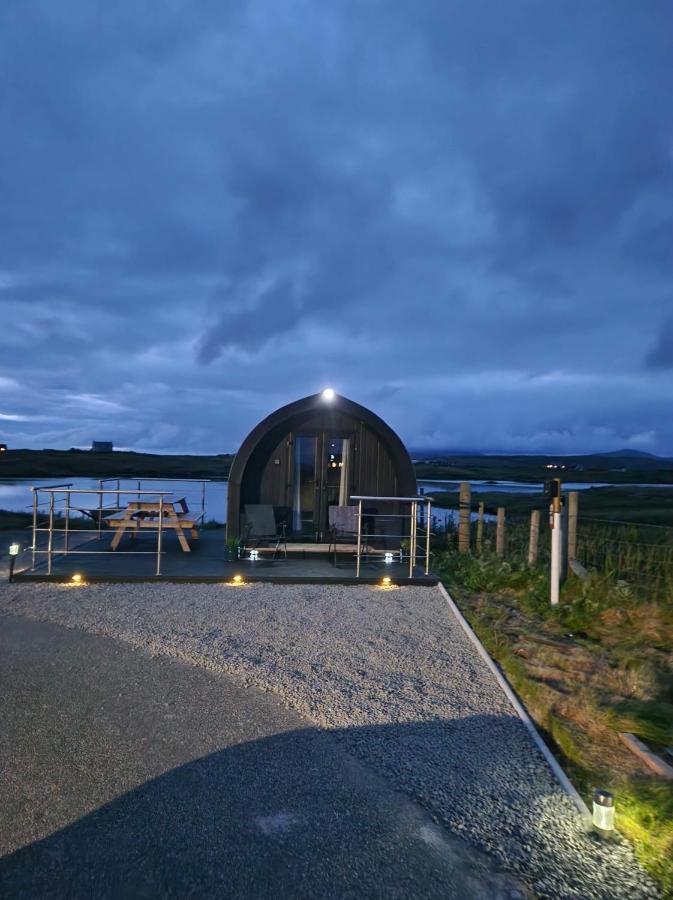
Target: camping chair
<point>261,527</point>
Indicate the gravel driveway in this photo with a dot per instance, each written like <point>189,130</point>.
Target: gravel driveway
<point>392,673</point>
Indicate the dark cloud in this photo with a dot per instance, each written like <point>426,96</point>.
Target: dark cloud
<point>459,213</point>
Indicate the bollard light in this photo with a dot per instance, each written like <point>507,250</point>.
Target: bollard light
<point>14,550</point>
<point>604,813</point>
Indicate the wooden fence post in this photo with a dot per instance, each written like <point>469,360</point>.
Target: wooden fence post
<point>534,536</point>
<point>573,509</point>
<point>563,567</point>
<point>465,507</point>
<point>500,532</point>
<point>480,528</point>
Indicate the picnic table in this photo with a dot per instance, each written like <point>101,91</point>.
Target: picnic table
<point>148,514</point>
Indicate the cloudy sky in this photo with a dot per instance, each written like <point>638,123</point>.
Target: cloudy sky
<point>459,214</point>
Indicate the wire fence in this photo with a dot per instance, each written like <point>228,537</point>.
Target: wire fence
<point>640,555</point>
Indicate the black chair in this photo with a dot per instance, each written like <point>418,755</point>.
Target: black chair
<point>343,527</point>
<point>261,528</point>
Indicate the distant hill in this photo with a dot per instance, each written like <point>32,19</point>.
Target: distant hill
<point>630,454</point>
<point>67,463</point>
<point>442,454</point>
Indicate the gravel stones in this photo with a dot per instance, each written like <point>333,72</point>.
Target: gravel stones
<point>393,675</point>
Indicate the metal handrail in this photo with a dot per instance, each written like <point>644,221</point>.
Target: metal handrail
<point>413,526</point>
<point>97,491</point>
<point>418,497</point>
<point>68,491</point>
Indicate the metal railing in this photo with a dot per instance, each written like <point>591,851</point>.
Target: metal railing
<point>62,500</point>
<point>419,504</point>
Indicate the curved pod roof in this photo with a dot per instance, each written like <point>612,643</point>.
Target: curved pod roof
<point>266,435</point>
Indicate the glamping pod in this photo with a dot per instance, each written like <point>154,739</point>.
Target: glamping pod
<point>313,454</point>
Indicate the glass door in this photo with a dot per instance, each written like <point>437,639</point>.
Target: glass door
<point>305,485</point>
<point>336,474</point>
<point>321,469</point>
<point>337,458</point>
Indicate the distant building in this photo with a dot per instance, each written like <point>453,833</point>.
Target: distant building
<point>3,448</point>
<point>101,446</point>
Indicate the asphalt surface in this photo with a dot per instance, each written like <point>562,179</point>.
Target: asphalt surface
<point>129,775</point>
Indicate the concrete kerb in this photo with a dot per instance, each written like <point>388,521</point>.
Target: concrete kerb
<point>552,762</point>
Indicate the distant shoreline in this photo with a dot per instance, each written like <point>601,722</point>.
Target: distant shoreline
<point>606,468</point>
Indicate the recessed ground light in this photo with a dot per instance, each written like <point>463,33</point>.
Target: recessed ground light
<point>76,578</point>
<point>385,581</point>
<point>237,579</point>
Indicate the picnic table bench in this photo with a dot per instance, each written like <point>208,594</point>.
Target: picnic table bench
<point>147,514</point>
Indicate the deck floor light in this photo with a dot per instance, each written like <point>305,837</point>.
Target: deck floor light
<point>604,813</point>
<point>14,550</point>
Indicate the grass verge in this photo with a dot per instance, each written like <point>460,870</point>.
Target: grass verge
<point>598,664</point>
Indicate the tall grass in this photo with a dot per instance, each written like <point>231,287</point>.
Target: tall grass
<point>599,663</point>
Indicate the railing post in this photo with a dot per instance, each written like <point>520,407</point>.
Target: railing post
<point>67,520</point>
<point>35,492</point>
<point>357,562</point>
<point>203,503</point>
<point>160,533</point>
<point>118,497</point>
<point>51,531</point>
<point>428,511</point>
<point>100,507</point>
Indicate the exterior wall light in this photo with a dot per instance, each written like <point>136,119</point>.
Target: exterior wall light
<point>254,554</point>
<point>328,395</point>
<point>388,557</point>
<point>604,813</point>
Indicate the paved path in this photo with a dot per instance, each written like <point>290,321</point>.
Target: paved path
<point>130,775</point>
